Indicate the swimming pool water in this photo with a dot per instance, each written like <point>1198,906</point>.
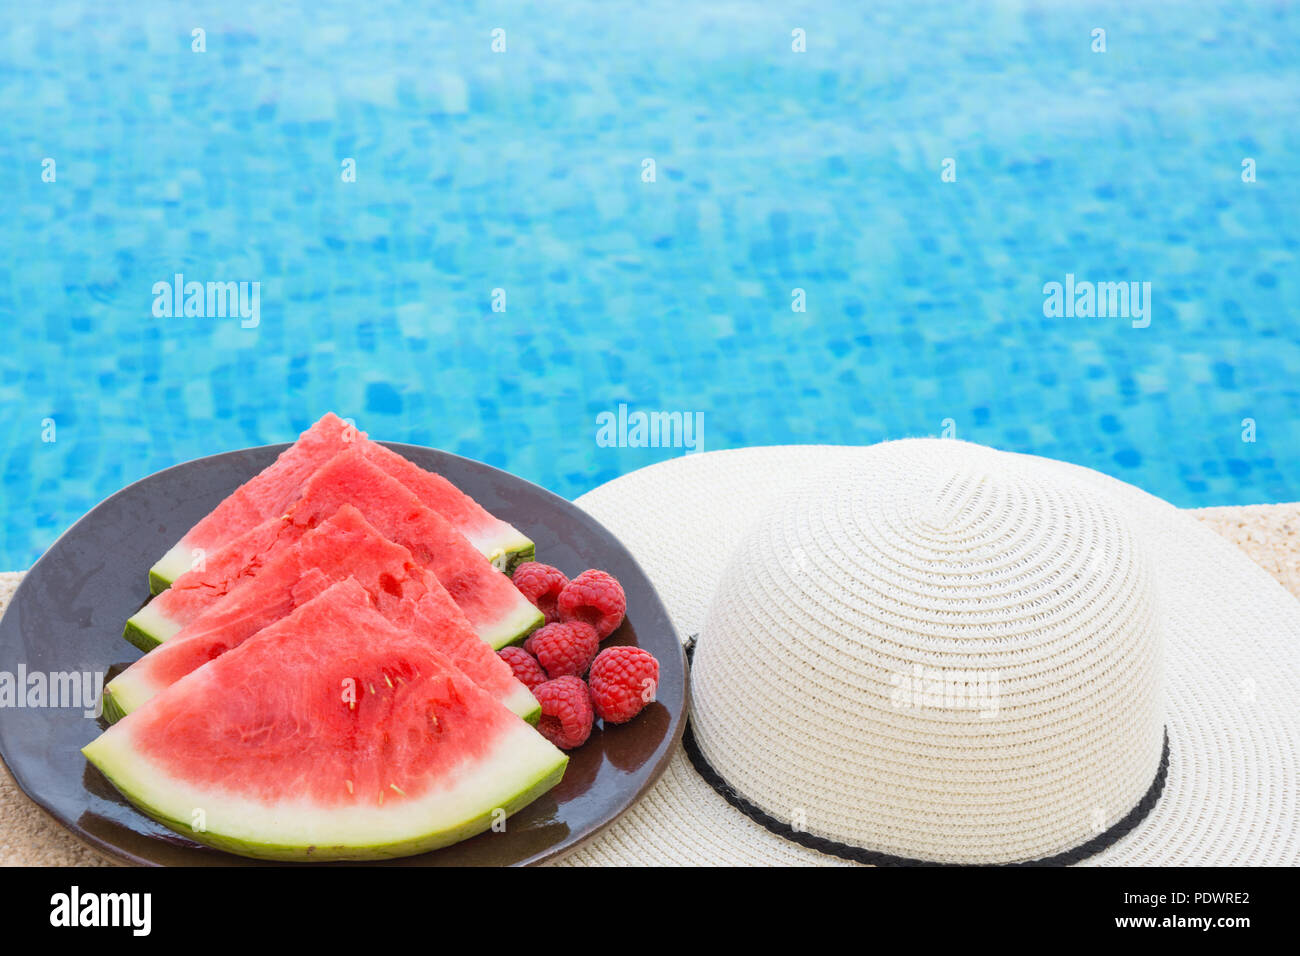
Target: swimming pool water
<point>522,171</point>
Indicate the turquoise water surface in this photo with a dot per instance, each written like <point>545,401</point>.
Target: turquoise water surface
<point>523,170</point>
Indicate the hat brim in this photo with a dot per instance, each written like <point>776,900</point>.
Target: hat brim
<point>1232,669</point>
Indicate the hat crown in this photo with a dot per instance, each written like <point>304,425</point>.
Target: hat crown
<point>953,657</point>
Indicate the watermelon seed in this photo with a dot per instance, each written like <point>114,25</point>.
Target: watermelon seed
<point>389,679</point>
<point>398,789</point>
<point>372,688</point>
<point>349,783</point>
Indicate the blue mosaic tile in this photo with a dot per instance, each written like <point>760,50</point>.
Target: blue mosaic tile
<point>522,171</point>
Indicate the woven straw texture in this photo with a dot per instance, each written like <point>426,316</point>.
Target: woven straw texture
<point>714,524</point>
<point>952,666</point>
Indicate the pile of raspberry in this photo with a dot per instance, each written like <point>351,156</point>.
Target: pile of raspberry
<point>562,662</point>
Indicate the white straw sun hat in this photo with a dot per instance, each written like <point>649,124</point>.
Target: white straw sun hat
<point>931,651</point>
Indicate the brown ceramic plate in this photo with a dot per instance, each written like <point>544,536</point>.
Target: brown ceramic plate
<point>68,614</point>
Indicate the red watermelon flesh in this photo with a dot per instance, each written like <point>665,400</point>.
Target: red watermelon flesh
<point>266,495</point>
<point>344,545</point>
<point>496,609</point>
<point>493,538</point>
<point>330,734</point>
<point>499,613</point>
<point>270,494</point>
<point>200,587</point>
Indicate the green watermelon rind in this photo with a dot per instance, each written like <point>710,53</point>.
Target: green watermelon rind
<point>124,694</point>
<point>148,627</point>
<point>169,567</point>
<point>116,767</point>
<point>134,634</point>
<point>512,630</point>
<point>520,556</point>
<point>506,551</point>
<point>110,706</point>
<point>523,706</point>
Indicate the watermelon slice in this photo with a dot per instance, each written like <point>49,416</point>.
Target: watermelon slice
<point>343,546</point>
<point>498,541</point>
<point>270,493</point>
<point>497,611</point>
<point>195,590</point>
<point>331,734</point>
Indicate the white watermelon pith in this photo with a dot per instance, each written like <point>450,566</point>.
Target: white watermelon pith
<point>331,734</point>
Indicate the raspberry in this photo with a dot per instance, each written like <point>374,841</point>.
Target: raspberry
<point>623,680</point>
<point>566,712</point>
<point>541,584</point>
<point>596,598</point>
<point>564,649</point>
<point>527,670</point>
